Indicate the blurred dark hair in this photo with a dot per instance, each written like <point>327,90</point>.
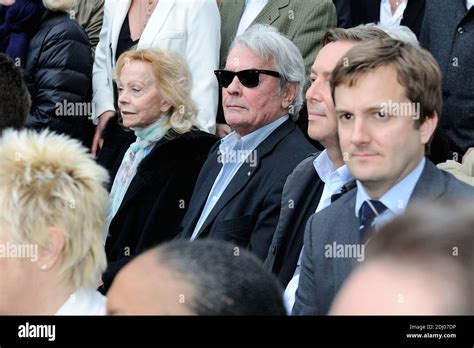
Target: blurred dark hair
<point>226,280</point>
<point>15,101</point>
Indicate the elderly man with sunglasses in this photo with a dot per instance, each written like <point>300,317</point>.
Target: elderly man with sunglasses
<point>238,193</point>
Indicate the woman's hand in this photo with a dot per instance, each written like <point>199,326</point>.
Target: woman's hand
<point>98,140</point>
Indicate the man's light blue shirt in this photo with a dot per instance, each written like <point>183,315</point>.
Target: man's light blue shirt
<point>233,152</point>
<point>396,199</point>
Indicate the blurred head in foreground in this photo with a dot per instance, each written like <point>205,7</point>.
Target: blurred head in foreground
<point>52,203</point>
<point>419,264</point>
<point>203,277</point>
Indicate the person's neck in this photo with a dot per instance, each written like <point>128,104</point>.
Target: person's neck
<point>48,298</point>
<point>335,156</point>
<point>376,189</point>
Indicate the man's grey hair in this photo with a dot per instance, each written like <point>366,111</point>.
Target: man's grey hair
<point>398,32</point>
<point>267,43</point>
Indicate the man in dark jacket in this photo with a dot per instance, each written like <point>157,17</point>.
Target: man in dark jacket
<point>238,192</point>
<point>448,33</point>
<point>59,65</point>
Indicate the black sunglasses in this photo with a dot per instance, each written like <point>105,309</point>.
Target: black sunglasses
<point>249,78</point>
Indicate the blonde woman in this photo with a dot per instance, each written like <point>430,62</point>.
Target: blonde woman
<point>52,214</point>
<point>191,28</point>
<point>155,174</point>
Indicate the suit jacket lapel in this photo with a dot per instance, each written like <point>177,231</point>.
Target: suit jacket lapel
<point>346,233</point>
<point>211,171</point>
<point>120,12</point>
<point>430,185</point>
<point>246,171</point>
<point>271,12</point>
<point>158,18</point>
<point>415,8</point>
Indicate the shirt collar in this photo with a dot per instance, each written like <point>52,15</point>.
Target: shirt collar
<point>395,199</point>
<point>469,4</point>
<point>334,179</point>
<point>250,141</point>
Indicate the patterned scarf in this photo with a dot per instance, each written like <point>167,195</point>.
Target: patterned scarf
<point>146,138</point>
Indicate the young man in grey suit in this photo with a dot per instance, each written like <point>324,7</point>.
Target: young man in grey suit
<point>388,101</point>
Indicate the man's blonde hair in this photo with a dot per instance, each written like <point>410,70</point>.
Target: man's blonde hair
<point>175,81</point>
<point>49,180</point>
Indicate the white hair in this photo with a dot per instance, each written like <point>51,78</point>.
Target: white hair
<point>49,180</point>
<point>268,44</point>
<point>398,32</point>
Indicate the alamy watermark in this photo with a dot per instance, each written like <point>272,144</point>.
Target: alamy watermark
<point>345,251</point>
<point>24,251</point>
<point>238,156</point>
<point>81,109</point>
<point>401,109</point>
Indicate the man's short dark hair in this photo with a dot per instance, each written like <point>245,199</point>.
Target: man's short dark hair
<point>226,280</point>
<point>15,101</point>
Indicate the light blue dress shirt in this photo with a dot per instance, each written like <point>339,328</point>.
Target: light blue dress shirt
<point>233,152</point>
<point>396,199</point>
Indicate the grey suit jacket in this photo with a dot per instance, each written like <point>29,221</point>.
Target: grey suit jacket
<point>299,200</point>
<point>322,274</point>
<point>448,33</point>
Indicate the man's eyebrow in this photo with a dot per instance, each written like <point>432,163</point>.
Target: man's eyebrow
<point>366,110</point>
<point>325,73</point>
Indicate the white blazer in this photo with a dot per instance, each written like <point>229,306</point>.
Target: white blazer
<point>189,27</point>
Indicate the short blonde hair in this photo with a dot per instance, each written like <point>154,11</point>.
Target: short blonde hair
<point>59,5</point>
<point>175,82</point>
<point>49,180</point>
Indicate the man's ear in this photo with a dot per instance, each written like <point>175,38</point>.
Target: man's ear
<point>52,250</point>
<point>289,95</point>
<point>428,128</point>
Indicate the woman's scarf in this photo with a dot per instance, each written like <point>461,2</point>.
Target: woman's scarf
<point>146,138</point>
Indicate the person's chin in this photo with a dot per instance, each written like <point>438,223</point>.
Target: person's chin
<point>364,170</point>
<point>232,117</point>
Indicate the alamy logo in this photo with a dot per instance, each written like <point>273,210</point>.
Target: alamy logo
<point>401,109</point>
<point>345,251</point>
<point>37,331</point>
<point>22,251</point>
<point>238,156</point>
<point>74,109</point>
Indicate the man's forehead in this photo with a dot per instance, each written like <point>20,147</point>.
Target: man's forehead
<point>329,55</point>
<point>242,57</point>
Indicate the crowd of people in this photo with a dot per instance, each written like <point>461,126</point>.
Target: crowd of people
<point>247,157</point>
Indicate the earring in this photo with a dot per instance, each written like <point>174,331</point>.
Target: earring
<point>44,267</point>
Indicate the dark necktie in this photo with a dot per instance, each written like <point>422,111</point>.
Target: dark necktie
<point>369,210</point>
